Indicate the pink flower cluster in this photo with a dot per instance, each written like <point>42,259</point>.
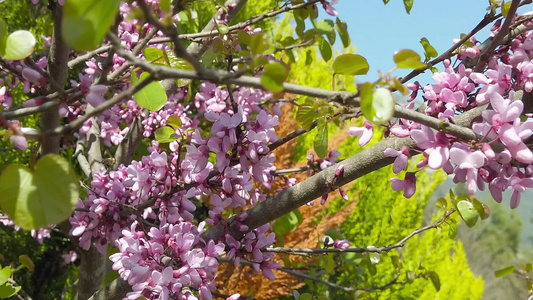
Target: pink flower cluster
<point>500,157</point>
<point>167,262</point>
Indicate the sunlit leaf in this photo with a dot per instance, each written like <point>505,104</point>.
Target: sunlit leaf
<point>378,105</point>
<point>222,28</point>
<point>505,271</point>
<point>342,29</point>
<point>154,55</point>
<point>408,4</point>
<point>86,22</point>
<point>174,121</point>
<point>153,96</point>
<point>5,274</point>
<point>273,77</point>
<point>165,134</point>
<point>467,212</point>
<point>305,115</point>
<point>19,45</point>
<point>505,8</point>
<point>7,290</point>
<point>408,59</point>
<point>324,26</point>
<point>429,51</point>
<point>350,64</point>
<point>3,37</point>
<point>321,139</point>
<point>40,197</point>
<point>325,49</point>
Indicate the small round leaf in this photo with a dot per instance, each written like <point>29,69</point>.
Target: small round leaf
<point>37,198</point>
<point>19,45</point>
<point>378,105</point>
<point>350,64</point>
<point>408,59</point>
<point>273,77</point>
<point>468,212</point>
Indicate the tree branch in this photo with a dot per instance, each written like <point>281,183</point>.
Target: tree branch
<point>371,249</point>
<point>358,165</point>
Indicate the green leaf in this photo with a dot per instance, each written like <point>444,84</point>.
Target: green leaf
<point>35,199</point>
<point>154,55</point>
<point>442,203</point>
<point>505,8</point>
<point>26,261</point>
<point>342,29</point>
<point>19,45</point>
<point>434,277</point>
<point>86,22</point>
<point>153,96</point>
<point>306,296</point>
<point>408,59</point>
<point>452,231</point>
<point>257,43</point>
<point>296,295</point>
<point>165,134</point>
<point>324,26</point>
<point>408,5</point>
<point>273,77</point>
<point>174,121</point>
<point>350,64</point>
<point>5,273</point>
<point>481,208</point>
<point>222,29</point>
<point>164,5</point>
<point>3,37</point>
<point>321,139</point>
<point>305,116</point>
<point>330,264</point>
<point>378,105</point>
<point>7,290</point>
<point>505,271</point>
<point>430,52</point>
<point>325,49</point>
<point>467,212</point>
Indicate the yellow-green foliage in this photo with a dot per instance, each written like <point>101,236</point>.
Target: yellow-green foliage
<point>383,217</point>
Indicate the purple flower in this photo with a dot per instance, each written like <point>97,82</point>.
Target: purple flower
<point>408,185</point>
<point>402,157</point>
<point>435,145</point>
<point>365,133</point>
<point>468,164</point>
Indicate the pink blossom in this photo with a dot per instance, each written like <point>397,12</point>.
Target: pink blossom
<point>365,133</point>
<point>408,185</point>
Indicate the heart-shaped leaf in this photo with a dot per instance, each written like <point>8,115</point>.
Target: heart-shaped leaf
<point>273,77</point>
<point>408,59</point>
<point>350,64</point>
<point>86,22</point>
<point>5,273</point>
<point>7,290</point>
<point>378,105</point>
<point>174,121</point>
<point>468,213</point>
<point>19,45</point>
<point>153,96</point>
<point>40,197</point>
<point>165,135</point>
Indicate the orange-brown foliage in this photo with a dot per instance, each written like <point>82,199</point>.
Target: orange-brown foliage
<point>242,279</point>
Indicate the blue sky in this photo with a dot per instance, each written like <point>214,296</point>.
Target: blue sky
<point>378,30</point>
